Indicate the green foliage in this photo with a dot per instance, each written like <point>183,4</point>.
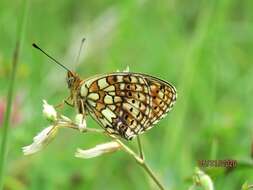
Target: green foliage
<point>202,47</point>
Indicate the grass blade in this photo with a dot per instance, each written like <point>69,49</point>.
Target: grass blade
<point>7,115</point>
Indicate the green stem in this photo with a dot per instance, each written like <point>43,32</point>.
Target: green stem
<point>142,163</point>
<point>6,122</point>
<point>138,159</point>
<point>152,175</point>
<point>7,114</point>
<point>141,152</point>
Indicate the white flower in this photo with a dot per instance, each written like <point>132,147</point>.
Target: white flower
<point>98,150</point>
<point>41,140</point>
<point>81,122</point>
<point>49,112</point>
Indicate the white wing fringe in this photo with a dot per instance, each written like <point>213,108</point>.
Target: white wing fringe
<point>125,71</point>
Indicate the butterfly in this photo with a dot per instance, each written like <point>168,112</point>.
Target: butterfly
<point>125,104</point>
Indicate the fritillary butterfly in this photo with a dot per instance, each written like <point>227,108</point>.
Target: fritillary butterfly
<point>123,103</point>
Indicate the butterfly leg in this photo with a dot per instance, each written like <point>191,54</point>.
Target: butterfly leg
<point>82,110</point>
<point>65,101</point>
<point>60,105</point>
<point>69,104</point>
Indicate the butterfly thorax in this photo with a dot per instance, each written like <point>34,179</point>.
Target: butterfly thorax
<point>74,83</point>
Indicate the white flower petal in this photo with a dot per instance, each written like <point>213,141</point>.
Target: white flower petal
<point>81,122</point>
<point>31,149</point>
<point>49,112</point>
<point>41,140</point>
<point>98,150</point>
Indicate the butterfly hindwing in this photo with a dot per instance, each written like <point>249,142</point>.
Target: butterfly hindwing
<point>127,104</point>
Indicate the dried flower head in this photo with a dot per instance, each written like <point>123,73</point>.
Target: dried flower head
<point>98,150</point>
<point>41,140</point>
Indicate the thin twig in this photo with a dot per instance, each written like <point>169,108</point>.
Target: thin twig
<point>142,163</point>
<point>141,152</point>
<point>152,175</point>
<point>129,151</point>
<point>74,126</point>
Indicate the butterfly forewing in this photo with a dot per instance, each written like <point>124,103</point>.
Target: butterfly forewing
<point>127,104</point>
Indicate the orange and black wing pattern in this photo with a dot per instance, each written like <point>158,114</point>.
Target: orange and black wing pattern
<point>127,104</point>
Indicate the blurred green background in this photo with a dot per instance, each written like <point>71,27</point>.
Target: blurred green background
<point>204,48</point>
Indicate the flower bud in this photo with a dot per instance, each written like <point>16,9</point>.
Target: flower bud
<point>49,112</point>
<point>203,180</point>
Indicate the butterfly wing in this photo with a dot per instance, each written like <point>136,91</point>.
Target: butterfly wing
<point>127,104</point>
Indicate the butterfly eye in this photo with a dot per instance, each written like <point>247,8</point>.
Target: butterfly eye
<point>70,81</point>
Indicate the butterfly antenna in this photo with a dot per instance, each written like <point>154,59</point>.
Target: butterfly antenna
<point>37,47</point>
<point>80,49</point>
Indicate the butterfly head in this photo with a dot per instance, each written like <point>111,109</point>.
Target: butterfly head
<point>73,80</point>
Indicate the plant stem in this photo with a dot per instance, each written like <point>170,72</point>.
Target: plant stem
<point>152,175</point>
<point>6,122</point>
<point>141,152</point>
<point>142,163</point>
<point>139,159</point>
<point>7,114</point>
